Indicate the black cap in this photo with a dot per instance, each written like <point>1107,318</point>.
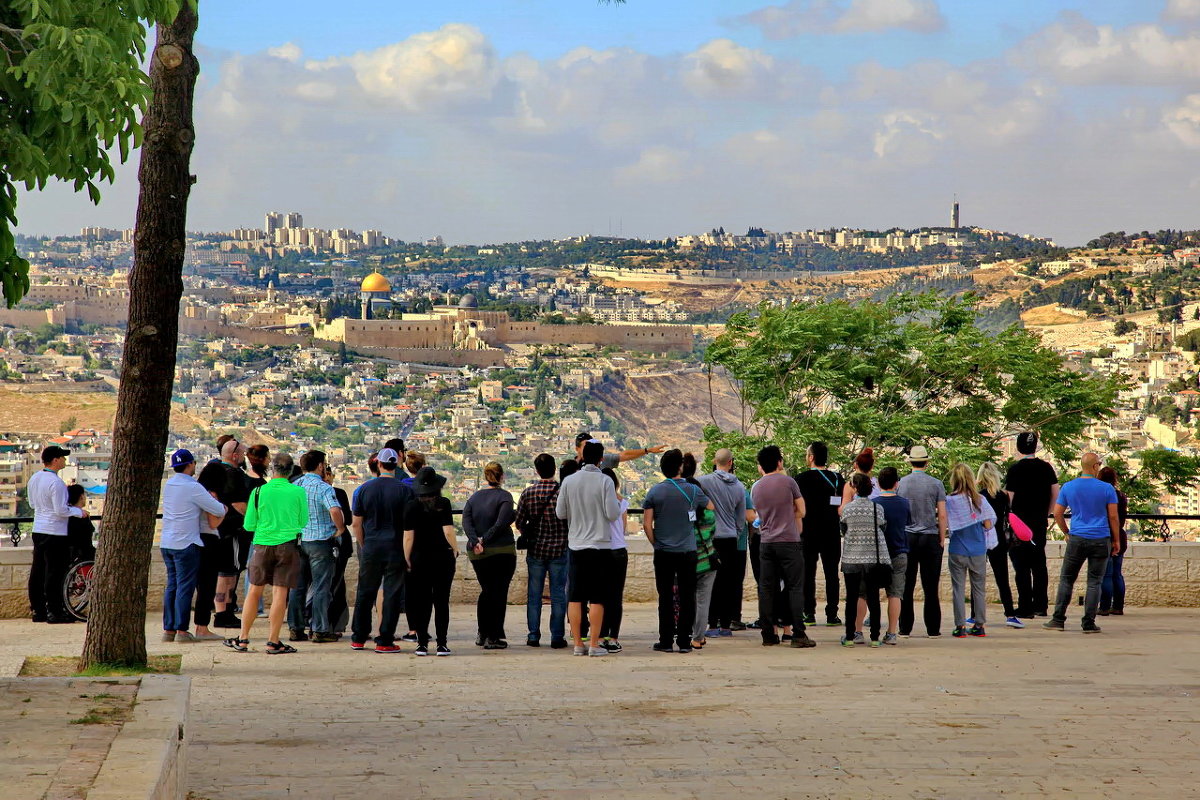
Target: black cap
<point>427,482</point>
<point>52,452</point>
<point>582,437</point>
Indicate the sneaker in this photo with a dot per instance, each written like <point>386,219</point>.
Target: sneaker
<point>753,626</point>
<point>422,650</point>
<point>599,650</point>
<point>185,637</point>
<point>713,632</point>
<point>787,637</point>
<point>442,650</point>
<point>833,622</point>
<point>1014,622</point>
<point>1118,612</point>
<point>970,620</point>
<point>495,644</point>
<point>1054,625</point>
<point>933,636</point>
<point>1093,628</point>
<point>326,638</point>
<point>1103,612</point>
<point>801,641</point>
<point>297,635</point>
<point>875,643</point>
<point>686,647</point>
<point>480,641</point>
<point>559,644</point>
<point>810,619</point>
<point>891,639</point>
<point>960,632</point>
<point>387,648</point>
<point>612,646</point>
<point>976,630</point>
<point>737,625</point>
<point>846,642</point>
<point>411,636</point>
<point>168,636</point>
<point>358,645</point>
<point>858,638</point>
<point>226,619</point>
<point>580,650</point>
<point>771,641</point>
<point>659,647</point>
<point>533,642</point>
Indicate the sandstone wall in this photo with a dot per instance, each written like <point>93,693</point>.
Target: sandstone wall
<point>1155,575</point>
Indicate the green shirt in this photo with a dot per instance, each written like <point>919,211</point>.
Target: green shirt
<point>276,512</point>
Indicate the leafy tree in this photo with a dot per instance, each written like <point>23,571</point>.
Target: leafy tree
<point>1123,326</point>
<point>72,85</point>
<point>68,424</point>
<point>912,369</point>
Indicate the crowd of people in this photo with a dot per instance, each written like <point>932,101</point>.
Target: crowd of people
<point>284,525</point>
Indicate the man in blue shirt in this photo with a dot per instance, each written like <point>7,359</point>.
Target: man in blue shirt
<point>1094,535</point>
<point>325,524</point>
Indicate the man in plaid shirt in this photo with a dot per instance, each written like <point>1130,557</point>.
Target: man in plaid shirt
<point>545,536</point>
<point>317,541</point>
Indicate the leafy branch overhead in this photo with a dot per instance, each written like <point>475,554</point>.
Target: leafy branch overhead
<point>73,88</point>
<point>912,369</point>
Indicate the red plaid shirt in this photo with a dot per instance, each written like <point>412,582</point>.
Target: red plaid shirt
<point>536,519</point>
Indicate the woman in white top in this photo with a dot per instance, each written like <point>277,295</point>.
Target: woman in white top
<point>610,628</point>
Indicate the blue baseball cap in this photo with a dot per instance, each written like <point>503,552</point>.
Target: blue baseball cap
<point>181,458</point>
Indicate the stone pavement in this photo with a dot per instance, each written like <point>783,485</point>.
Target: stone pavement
<point>1019,714</point>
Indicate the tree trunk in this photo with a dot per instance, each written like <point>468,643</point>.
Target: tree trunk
<point>116,632</point>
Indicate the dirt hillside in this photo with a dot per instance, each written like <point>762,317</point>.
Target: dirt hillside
<point>670,409</point>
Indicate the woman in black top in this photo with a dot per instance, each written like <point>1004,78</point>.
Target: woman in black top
<point>430,549</point>
<point>212,478</point>
<point>488,518</point>
<point>987,478</point>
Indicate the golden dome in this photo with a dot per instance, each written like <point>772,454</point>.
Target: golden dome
<point>376,283</point>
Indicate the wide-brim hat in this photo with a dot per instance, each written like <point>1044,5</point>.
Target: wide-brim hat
<point>427,482</point>
<point>918,453</point>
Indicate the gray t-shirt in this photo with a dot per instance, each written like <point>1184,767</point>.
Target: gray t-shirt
<point>728,496</point>
<point>923,492</point>
<point>671,500</point>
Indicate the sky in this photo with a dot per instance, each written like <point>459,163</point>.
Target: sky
<point>486,121</point>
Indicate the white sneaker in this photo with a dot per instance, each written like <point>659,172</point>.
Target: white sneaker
<point>580,650</point>
<point>597,651</point>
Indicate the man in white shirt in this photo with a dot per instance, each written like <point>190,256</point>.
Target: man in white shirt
<point>184,500</point>
<point>51,549</point>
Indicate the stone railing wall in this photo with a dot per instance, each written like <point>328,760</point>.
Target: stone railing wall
<point>1156,574</point>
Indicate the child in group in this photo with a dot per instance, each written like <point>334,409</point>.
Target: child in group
<point>970,517</point>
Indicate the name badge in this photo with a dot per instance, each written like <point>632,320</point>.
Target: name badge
<point>835,501</point>
<point>692,515</point>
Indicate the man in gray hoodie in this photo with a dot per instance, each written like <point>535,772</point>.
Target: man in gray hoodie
<point>588,501</point>
<point>728,496</point>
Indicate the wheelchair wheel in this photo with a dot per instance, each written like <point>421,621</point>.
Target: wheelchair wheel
<point>77,589</point>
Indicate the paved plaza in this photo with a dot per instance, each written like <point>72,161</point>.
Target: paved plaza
<point>1028,713</point>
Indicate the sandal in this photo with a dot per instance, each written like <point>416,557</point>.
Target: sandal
<point>275,648</point>
<point>234,643</point>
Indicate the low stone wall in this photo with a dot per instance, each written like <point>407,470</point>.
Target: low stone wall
<point>1156,574</point>
<point>148,759</point>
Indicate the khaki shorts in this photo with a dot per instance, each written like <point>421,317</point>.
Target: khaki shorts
<point>275,565</point>
<point>899,573</point>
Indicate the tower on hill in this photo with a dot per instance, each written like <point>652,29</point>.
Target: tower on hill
<point>954,214</point>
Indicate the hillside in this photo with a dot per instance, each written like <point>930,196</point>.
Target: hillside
<point>670,409</point>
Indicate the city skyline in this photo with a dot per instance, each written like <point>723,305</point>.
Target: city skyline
<point>549,120</point>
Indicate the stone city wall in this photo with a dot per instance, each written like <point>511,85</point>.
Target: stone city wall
<point>1156,574</point>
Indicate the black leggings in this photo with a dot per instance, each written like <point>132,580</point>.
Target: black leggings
<point>494,573</point>
<point>206,579</point>
<point>428,590</point>
<point>857,584</point>
<point>614,609</point>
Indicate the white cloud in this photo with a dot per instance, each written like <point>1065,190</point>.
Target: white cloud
<point>289,51</point>
<point>724,67</point>
<point>1075,50</point>
<point>801,17</point>
<point>1184,121</point>
<point>1182,10</point>
<point>453,64</point>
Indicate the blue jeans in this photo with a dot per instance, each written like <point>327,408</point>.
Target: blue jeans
<point>183,570</point>
<point>557,569</point>
<point>315,587</point>
<point>1112,588</point>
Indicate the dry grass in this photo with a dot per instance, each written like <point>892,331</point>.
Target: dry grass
<point>68,667</point>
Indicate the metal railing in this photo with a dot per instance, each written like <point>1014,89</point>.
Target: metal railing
<point>1157,525</point>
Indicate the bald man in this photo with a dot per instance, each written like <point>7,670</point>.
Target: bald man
<point>234,543</point>
<point>1093,536</point>
<point>728,496</point>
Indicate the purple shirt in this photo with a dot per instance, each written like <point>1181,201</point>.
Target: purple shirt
<point>774,496</point>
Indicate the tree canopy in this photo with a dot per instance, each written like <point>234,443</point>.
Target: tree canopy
<point>72,87</point>
<point>910,369</point>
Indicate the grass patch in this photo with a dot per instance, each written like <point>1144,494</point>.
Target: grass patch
<point>68,667</point>
<point>103,715</point>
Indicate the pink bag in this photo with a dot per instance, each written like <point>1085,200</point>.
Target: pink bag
<point>1019,528</point>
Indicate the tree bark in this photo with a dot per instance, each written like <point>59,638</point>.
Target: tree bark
<point>116,632</point>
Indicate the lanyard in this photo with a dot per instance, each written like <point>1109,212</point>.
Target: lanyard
<point>691,500</point>
<point>832,485</point>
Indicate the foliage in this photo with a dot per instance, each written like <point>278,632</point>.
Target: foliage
<point>911,369</point>
<point>72,85</point>
<point>1123,326</point>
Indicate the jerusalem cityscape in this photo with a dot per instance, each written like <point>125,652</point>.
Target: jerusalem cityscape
<point>672,337</point>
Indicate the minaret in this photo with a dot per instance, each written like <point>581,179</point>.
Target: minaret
<point>954,214</point>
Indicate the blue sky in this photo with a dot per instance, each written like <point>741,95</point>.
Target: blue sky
<point>494,121</point>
